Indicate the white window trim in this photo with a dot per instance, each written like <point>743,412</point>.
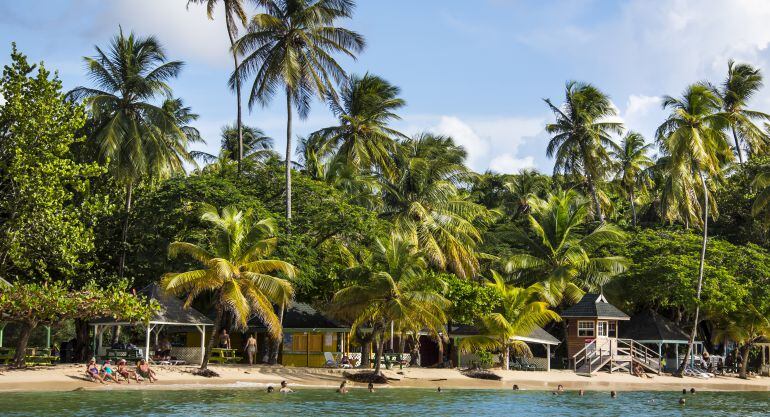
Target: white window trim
<point>606,328</point>
<point>592,328</point>
<point>609,328</point>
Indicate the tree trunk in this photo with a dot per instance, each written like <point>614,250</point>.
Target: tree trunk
<point>694,331</point>
<point>737,145</point>
<point>124,235</point>
<point>595,197</point>
<point>366,348</point>
<point>116,335</point>
<point>633,205</point>
<point>80,351</point>
<point>380,341</point>
<point>288,161</point>
<point>745,349</point>
<point>238,124</point>
<point>402,342</point>
<point>276,341</point>
<point>507,358</point>
<point>21,344</point>
<point>214,339</point>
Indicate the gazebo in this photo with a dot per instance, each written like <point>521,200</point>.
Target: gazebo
<point>172,314</point>
<point>537,336</point>
<point>650,328</point>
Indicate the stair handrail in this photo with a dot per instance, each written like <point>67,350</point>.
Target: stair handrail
<point>648,353</point>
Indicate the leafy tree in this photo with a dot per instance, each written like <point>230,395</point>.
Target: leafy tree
<point>391,286</point>
<point>235,271</point>
<point>561,258</point>
<point>33,304</point>
<point>745,326</point>
<point>693,138</point>
<point>289,45</point>
<point>234,14</point>
<point>424,203</point>
<point>519,313</point>
<point>742,82</point>
<point>581,137</point>
<point>469,299</point>
<point>138,140</point>
<point>46,206</point>
<point>632,161</point>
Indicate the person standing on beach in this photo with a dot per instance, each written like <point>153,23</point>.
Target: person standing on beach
<point>251,349</point>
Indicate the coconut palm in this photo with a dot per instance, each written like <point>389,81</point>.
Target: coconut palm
<point>744,326</point>
<point>253,144</point>
<point>581,137</point>
<point>289,47</point>
<point>235,271</point>
<point>234,15</point>
<point>762,201</point>
<point>742,82</point>
<point>693,139</point>
<point>422,199</point>
<point>523,186</point>
<point>558,256</point>
<point>363,138</point>
<point>632,161</point>
<point>391,286</point>
<point>521,311</point>
<point>138,139</point>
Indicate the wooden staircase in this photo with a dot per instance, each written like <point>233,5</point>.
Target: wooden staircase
<point>615,355</point>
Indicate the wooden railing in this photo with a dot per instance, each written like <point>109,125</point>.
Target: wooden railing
<point>639,353</point>
<point>593,355</point>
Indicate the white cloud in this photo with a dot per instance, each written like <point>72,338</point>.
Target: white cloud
<point>507,164</point>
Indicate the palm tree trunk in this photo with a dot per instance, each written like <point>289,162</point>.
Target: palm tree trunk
<point>276,341</point>
<point>737,145</point>
<point>21,344</point>
<point>633,205</point>
<point>694,331</point>
<point>238,124</point>
<point>507,358</point>
<point>742,373</point>
<point>288,161</point>
<point>380,341</point>
<point>214,338</point>
<point>598,215</point>
<point>124,235</point>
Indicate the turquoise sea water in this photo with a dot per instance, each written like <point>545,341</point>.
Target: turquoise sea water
<point>385,402</point>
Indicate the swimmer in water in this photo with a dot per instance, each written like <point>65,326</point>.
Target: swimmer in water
<point>370,387</point>
<point>613,394</point>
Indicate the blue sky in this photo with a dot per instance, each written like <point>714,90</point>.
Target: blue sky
<point>477,71</point>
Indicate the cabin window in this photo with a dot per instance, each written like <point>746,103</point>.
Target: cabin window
<point>601,328</point>
<point>613,332</point>
<point>585,328</point>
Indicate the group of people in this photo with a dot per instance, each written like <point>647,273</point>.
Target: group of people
<point>122,371</point>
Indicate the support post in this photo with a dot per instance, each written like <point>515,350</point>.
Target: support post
<point>147,343</point>
<point>676,348</point>
<point>96,330</point>
<point>548,358</point>
<point>202,329</point>
<point>391,336</point>
<point>48,337</point>
<point>2,327</point>
<point>101,343</point>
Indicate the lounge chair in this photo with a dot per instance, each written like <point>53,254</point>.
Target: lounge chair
<point>332,363</point>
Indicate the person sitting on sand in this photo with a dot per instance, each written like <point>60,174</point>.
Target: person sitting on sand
<point>343,389</point>
<point>109,374</point>
<point>270,389</point>
<point>285,388</point>
<point>123,371</point>
<point>143,369</point>
<point>370,387</point>
<point>92,372</point>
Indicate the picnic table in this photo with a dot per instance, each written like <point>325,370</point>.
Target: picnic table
<point>132,355</point>
<point>32,356</point>
<point>222,355</point>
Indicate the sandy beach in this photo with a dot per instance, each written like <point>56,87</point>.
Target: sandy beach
<point>68,377</point>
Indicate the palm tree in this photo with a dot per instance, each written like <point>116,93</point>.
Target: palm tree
<point>520,312</point>
<point>523,186</point>
<point>693,139</point>
<point>558,256</point>
<point>581,137</point>
<point>745,326</point>
<point>762,201</point>
<point>289,46</point>
<point>422,199</point>
<point>235,271</point>
<point>363,139</point>
<point>391,286</point>
<point>632,162</point>
<point>742,82</point>
<point>234,14</point>
<point>252,144</point>
<point>139,139</point>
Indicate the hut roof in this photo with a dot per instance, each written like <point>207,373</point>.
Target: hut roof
<point>301,316</point>
<point>172,310</point>
<point>596,306</point>
<point>651,326</point>
<point>538,335</point>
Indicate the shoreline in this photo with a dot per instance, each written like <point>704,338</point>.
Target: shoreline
<point>70,377</point>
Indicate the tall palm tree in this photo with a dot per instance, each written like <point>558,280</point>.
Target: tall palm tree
<point>234,14</point>
<point>235,270</point>
<point>523,186</point>
<point>422,199</point>
<point>391,286</point>
<point>520,312</point>
<point>632,161</point>
<point>693,139</point>
<point>252,144</point>
<point>762,201</point>
<point>742,82</point>
<point>558,256</point>
<point>141,140</point>
<point>363,138</point>
<point>581,137</point>
<point>290,47</point>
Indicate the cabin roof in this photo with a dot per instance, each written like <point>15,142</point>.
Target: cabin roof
<point>650,326</point>
<point>171,312</point>
<point>595,306</point>
<point>301,316</point>
<point>538,335</point>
